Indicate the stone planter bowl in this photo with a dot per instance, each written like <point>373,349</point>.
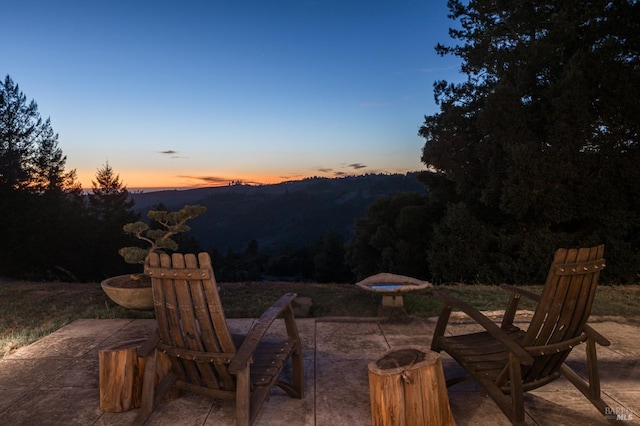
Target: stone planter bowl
<point>128,295</point>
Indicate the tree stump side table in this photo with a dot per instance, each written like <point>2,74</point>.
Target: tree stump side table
<point>407,387</point>
<point>121,373</point>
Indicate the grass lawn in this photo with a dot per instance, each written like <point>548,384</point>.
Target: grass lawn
<point>30,310</point>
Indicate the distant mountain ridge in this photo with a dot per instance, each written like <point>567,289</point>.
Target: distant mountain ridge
<point>288,213</point>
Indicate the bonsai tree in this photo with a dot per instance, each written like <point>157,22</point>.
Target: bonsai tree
<point>172,223</point>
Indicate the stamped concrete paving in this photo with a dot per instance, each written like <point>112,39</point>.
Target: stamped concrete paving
<point>54,381</point>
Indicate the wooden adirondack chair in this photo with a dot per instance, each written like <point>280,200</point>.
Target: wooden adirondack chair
<point>508,361</point>
<point>205,357</point>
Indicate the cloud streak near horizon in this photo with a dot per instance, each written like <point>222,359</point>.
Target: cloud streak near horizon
<point>217,180</point>
<point>357,166</point>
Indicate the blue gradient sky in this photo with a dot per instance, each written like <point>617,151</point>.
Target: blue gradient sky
<point>192,93</point>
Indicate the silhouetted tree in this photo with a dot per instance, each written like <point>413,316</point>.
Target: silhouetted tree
<point>20,124</point>
<point>42,205</point>
<point>29,154</point>
<point>109,197</point>
<point>540,146</point>
<point>110,208</point>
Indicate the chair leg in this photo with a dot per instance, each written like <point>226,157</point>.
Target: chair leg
<point>243,398</point>
<point>295,389</point>
<point>511,404</point>
<point>590,389</point>
<point>297,367</point>
<point>592,366</point>
<point>517,394</point>
<point>443,319</point>
<point>152,394</point>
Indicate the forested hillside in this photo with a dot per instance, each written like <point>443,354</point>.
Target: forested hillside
<point>274,216</point>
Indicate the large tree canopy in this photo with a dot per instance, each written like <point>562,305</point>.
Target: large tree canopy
<point>39,199</point>
<point>540,145</point>
<point>29,154</point>
<point>392,237</point>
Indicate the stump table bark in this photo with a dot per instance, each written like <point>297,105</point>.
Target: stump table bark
<point>122,373</point>
<point>408,388</point>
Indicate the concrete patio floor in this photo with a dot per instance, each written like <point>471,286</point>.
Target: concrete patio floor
<point>54,381</point>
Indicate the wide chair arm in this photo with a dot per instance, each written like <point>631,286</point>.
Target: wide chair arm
<point>259,329</point>
<point>597,337</point>
<point>499,334</point>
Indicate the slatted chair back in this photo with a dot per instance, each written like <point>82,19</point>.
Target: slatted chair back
<point>564,307</point>
<point>191,320</point>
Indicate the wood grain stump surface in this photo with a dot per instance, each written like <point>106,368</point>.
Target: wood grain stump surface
<point>408,388</point>
<point>121,373</point>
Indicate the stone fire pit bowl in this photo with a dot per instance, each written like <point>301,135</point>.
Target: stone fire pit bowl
<point>392,286</point>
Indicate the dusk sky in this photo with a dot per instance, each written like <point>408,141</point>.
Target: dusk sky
<point>200,93</point>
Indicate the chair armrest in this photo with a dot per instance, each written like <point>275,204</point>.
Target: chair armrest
<point>592,334</point>
<point>150,344</point>
<point>490,326</point>
<point>257,332</point>
<point>521,292</point>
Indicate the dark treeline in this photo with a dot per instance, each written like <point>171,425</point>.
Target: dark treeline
<point>322,261</point>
